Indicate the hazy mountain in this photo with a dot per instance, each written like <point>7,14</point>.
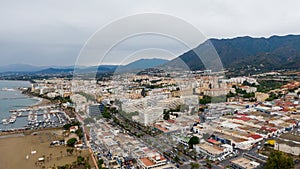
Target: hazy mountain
<point>101,68</point>
<point>20,68</point>
<point>29,68</point>
<point>276,52</point>
<point>136,65</point>
<point>54,71</point>
<point>142,64</point>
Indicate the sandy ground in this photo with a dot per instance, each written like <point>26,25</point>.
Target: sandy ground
<point>42,102</point>
<point>14,149</point>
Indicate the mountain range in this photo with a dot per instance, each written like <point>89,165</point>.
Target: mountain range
<point>236,54</point>
<point>276,52</point>
<point>133,66</point>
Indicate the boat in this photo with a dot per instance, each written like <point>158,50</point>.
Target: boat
<point>7,89</point>
<point>20,114</point>
<point>12,119</point>
<point>5,121</point>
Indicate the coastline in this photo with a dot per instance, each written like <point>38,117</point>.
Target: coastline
<point>17,89</point>
<point>41,102</point>
<point>26,92</point>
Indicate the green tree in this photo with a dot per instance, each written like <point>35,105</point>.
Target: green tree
<point>166,115</point>
<point>195,165</point>
<point>100,162</point>
<point>69,151</point>
<point>193,140</point>
<point>143,92</point>
<point>272,97</point>
<point>80,160</point>
<point>208,163</point>
<point>230,94</point>
<point>205,100</point>
<point>79,133</point>
<point>176,159</point>
<point>71,142</point>
<point>106,114</point>
<point>248,95</point>
<point>278,160</point>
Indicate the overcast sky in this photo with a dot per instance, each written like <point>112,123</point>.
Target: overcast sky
<point>52,32</point>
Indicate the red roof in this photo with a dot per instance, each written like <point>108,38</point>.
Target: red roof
<point>171,121</point>
<point>147,162</point>
<point>269,128</point>
<point>255,136</point>
<point>244,118</point>
<point>212,141</point>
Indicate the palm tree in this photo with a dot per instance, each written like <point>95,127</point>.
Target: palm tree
<point>87,159</point>
<point>194,165</point>
<point>74,163</point>
<point>67,150</point>
<point>71,151</point>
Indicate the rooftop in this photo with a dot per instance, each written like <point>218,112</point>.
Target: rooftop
<point>147,162</point>
<point>245,163</point>
<point>290,143</point>
<point>291,137</point>
<point>255,136</point>
<point>233,138</point>
<point>211,148</point>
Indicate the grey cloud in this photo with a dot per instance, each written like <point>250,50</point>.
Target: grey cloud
<point>42,32</point>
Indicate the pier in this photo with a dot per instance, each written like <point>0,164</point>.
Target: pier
<point>33,109</point>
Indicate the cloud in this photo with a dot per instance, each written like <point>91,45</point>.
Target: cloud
<point>43,32</point>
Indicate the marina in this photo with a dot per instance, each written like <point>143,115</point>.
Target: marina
<point>40,117</point>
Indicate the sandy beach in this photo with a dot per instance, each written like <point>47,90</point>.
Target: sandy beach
<point>15,149</point>
<point>41,102</point>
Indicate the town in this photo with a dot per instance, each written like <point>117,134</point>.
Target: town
<point>150,84</point>
<point>180,119</point>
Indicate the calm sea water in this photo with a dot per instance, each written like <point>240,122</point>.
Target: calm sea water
<point>12,98</point>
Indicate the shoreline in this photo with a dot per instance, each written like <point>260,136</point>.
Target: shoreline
<point>34,103</point>
<point>41,102</point>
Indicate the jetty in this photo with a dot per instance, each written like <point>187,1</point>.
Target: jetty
<point>33,109</point>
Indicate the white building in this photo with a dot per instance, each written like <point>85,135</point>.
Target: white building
<point>79,101</point>
<point>155,162</point>
<point>214,152</point>
<point>288,143</point>
<point>192,100</point>
<point>150,115</point>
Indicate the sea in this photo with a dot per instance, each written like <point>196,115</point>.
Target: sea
<point>11,98</point>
